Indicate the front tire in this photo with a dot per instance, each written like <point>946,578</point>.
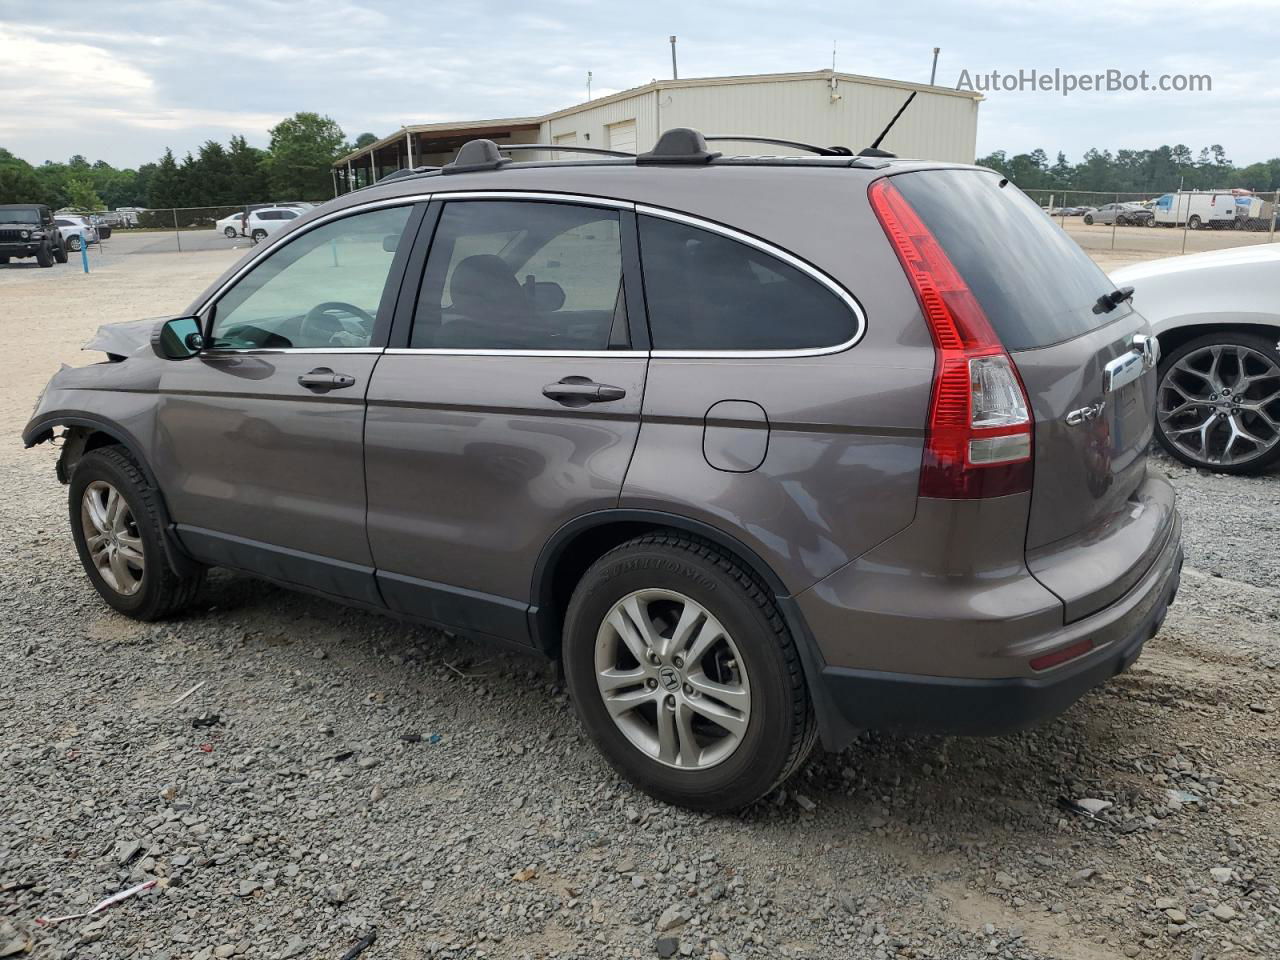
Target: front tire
<point>683,672</point>
<point>115,522</point>
<point>1218,403</point>
<point>60,253</point>
<point>1088,219</point>
<point>44,256</point>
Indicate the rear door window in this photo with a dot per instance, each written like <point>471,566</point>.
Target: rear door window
<point>1035,284</point>
<point>523,275</point>
<point>707,291</point>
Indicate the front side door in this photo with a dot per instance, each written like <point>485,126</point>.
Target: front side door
<point>259,445</point>
<point>510,407</point>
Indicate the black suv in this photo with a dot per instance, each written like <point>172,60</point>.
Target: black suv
<point>28,230</point>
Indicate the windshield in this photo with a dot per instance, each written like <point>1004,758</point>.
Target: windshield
<point>1035,284</point>
<point>19,215</point>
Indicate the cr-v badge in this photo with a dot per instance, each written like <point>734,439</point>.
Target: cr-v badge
<point>1085,414</point>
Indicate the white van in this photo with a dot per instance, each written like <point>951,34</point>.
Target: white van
<point>1215,209</point>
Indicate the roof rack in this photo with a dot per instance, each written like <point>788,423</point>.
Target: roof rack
<point>794,144</point>
<point>564,148</point>
<point>407,172</point>
<point>678,145</point>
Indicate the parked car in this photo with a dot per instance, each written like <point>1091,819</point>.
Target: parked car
<point>232,226</point>
<point>263,222</point>
<point>1218,319</point>
<point>28,230</point>
<point>1124,214</point>
<point>760,453</point>
<point>76,230</point>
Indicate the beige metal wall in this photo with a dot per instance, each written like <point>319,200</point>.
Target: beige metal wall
<point>937,126</point>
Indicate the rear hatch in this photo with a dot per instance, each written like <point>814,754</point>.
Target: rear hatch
<point>1096,523</point>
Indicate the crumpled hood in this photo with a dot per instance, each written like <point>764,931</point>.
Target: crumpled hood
<point>123,339</point>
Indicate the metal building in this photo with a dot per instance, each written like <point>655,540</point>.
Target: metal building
<point>824,107</point>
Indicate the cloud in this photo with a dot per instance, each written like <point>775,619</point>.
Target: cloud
<point>180,72</point>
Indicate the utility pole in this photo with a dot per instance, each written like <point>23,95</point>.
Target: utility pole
<point>933,73</point>
<point>675,74</point>
<point>588,84</point>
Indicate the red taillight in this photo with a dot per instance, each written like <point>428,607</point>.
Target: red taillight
<point>979,434</point>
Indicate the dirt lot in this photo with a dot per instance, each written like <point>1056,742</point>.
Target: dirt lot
<point>363,774</point>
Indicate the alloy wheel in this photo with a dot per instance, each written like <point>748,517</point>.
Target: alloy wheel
<point>112,537</point>
<point>1220,405</point>
<point>672,679</point>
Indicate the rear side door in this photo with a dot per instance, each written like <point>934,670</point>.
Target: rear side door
<point>259,437</point>
<point>1097,521</point>
<point>508,403</point>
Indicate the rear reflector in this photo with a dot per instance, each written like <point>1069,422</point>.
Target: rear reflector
<point>1062,656</point>
<point>979,432</point>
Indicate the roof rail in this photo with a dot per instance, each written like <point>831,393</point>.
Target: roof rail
<point>796,145</point>
<point>564,148</point>
<point>407,172</point>
<point>678,145</point>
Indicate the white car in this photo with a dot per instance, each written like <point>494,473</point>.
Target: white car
<point>268,220</point>
<point>73,228</point>
<point>1217,317</point>
<point>231,227</point>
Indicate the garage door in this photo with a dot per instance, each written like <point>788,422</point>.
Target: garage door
<point>622,136</point>
<point>568,139</point>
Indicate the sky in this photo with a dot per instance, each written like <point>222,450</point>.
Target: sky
<point>122,80</point>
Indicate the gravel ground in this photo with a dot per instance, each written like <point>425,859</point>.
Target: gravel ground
<point>340,773</point>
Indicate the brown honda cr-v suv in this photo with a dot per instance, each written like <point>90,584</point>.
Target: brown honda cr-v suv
<point>763,450</point>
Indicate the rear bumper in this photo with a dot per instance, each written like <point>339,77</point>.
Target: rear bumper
<point>987,706</point>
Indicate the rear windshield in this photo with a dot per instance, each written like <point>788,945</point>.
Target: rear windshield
<point>1034,282</point>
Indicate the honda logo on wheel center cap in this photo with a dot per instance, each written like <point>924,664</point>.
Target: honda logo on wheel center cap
<point>669,678</point>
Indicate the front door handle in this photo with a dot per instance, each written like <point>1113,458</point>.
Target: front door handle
<point>577,391</point>
<point>322,380</point>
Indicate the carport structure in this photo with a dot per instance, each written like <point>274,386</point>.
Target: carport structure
<point>431,144</point>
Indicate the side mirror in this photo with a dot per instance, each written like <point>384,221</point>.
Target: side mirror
<point>177,339</point>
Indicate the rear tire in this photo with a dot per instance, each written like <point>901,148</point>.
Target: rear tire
<point>1193,223</point>
<point>116,524</point>
<point>259,235</point>
<point>74,243</point>
<point>1088,219</point>
<point>739,649</point>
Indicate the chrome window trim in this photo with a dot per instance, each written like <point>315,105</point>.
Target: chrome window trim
<point>779,254</point>
<point>214,353</point>
<point>447,352</point>
<point>551,196</point>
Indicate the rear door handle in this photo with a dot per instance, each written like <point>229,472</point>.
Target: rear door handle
<point>577,391</point>
<point>322,380</point>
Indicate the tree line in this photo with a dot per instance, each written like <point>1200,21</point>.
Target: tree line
<point>1161,170</point>
<point>295,166</point>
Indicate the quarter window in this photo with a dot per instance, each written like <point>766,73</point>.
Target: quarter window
<point>322,289</point>
<point>520,275</point>
<point>706,291</point>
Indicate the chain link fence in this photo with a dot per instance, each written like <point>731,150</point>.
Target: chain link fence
<point>190,229</point>
<point>1163,224</point>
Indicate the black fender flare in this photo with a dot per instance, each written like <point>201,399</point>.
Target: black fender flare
<point>41,429</point>
<point>834,730</point>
